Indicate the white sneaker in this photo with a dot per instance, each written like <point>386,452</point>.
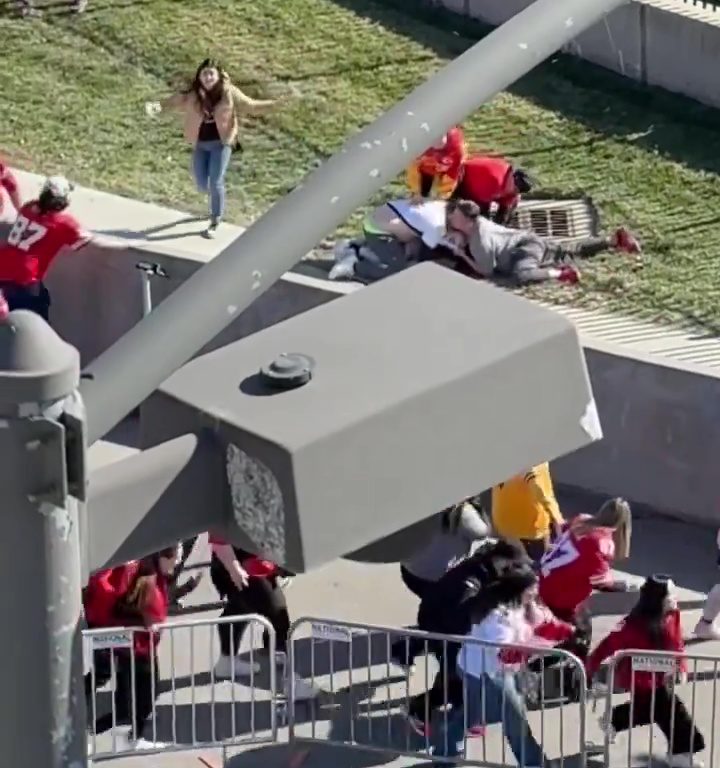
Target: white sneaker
<point>145,745</point>
<point>304,691</point>
<point>227,668</point>
<point>606,727</point>
<point>706,630</point>
<point>685,761</point>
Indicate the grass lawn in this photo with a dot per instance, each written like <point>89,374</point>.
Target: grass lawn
<point>73,89</point>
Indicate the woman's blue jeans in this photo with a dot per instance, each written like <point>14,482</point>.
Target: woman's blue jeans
<point>210,162</point>
<point>489,700</point>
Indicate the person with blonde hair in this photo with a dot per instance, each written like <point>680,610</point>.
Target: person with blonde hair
<point>211,107</point>
<point>580,562</point>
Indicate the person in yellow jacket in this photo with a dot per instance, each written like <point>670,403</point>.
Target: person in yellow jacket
<point>525,508</point>
<point>437,172</point>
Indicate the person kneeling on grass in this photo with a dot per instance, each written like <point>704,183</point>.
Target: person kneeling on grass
<point>653,625</point>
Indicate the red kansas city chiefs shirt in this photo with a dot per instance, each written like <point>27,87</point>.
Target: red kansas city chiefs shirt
<point>34,240</point>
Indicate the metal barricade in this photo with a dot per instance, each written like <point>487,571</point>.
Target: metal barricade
<point>373,677</point>
<point>678,693</point>
<point>142,702</point>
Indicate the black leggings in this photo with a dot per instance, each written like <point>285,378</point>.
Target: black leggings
<point>262,596</point>
<point>144,695</point>
<point>447,687</point>
<point>669,714</point>
<point>35,298</point>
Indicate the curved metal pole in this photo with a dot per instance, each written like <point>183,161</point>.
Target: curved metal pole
<point>123,376</point>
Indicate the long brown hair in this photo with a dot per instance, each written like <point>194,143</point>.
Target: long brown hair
<point>616,515</point>
<point>208,98</point>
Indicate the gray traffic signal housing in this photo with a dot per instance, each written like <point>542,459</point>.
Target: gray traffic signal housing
<point>408,395</point>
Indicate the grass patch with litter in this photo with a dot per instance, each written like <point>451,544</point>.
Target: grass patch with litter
<point>73,91</point>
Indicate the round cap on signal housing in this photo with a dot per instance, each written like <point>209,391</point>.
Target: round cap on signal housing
<point>288,371</point>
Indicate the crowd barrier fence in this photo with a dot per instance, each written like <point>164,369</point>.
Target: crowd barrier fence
<point>181,708</point>
<point>368,693</point>
<point>682,703</point>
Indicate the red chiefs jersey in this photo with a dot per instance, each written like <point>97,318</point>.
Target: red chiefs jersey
<point>575,566</point>
<point>485,181</point>
<point>34,240</point>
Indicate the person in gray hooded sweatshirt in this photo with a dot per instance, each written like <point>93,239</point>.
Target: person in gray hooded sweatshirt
<point>462,527</point>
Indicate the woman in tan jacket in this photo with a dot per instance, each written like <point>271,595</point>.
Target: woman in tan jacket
<point>211,106</point>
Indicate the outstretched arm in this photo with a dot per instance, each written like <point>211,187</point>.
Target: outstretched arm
<point>244,103</point>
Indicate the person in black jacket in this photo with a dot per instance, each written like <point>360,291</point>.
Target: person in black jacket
<point>447,610</point>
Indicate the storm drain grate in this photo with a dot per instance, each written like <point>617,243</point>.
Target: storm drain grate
<point>558,219</point>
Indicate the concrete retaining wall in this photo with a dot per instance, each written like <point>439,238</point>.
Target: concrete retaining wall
<point>634,41</point>
<point>660,420</point>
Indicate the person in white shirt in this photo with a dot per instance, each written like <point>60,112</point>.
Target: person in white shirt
<point>707,628</point>
<point>489,670</point>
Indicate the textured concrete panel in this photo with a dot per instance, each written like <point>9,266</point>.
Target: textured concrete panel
<point>661,438</point>
<point>692,68</point>
<point>424,392</point>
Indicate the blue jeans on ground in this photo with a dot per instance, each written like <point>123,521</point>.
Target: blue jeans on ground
<point>502,704</point>
<point>210,162</point>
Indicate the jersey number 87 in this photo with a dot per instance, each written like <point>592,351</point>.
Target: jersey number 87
<point>25,233</point>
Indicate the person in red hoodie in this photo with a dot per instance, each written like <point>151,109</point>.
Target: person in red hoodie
<point>9,183</point>
<point>488,181</point>
<point>436,172</point>
<point>652,625</point>
<point>143,604</point>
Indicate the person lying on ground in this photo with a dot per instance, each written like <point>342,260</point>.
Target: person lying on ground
<point>491,181</point>
<point>436,172</point>
<point>523,255</point>
<point>396,235</point>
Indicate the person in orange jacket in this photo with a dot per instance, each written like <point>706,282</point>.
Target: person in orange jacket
<point>489,181</point>
<point>436,173</point>
<point>652,625</point>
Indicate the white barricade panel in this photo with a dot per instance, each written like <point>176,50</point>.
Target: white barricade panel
<point>661,708</point>
<point>168,690</point>
<point>367,694</point>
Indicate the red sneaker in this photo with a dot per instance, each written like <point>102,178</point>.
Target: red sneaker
<point>569,274</point>
<point>624,240</point>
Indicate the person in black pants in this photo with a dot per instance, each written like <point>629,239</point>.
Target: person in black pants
<point>447,610</point>
<point>249,585</point>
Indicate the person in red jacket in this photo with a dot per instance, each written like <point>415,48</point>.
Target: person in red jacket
<point>580,561</point>
<point>143,605</point>
<point>9,183</point>
<point>436,172</point>
<point>489,181</point>
<point>652,625</point>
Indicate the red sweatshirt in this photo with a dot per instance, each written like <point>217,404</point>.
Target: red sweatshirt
<point>103,591</point>
<point>631,635</point>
